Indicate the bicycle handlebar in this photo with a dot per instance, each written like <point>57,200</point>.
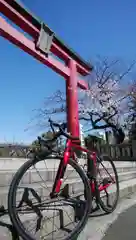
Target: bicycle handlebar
<point>61,132</point>
<point>62,128</point>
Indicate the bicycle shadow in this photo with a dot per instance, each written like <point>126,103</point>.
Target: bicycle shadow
<point>97,212</point>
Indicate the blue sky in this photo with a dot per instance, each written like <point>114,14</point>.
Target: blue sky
<point>105,28</point>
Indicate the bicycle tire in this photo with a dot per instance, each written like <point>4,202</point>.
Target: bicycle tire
<point>12,200</point>
<point>101,203</point>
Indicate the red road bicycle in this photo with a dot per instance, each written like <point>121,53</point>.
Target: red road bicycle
<point>60,209</point>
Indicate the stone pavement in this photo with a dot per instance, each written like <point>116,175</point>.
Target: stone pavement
<point>113,226</point>
<point>124,227</point>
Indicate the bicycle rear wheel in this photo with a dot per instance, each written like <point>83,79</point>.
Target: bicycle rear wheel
<point>50,213</point>
<point>107,184</point>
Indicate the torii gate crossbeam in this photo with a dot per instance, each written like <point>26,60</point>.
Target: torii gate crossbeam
<point>73,64</point>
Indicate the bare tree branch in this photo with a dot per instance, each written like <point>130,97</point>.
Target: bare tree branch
<point>103,109</point>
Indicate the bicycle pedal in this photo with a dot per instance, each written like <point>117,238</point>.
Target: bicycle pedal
<point>79,210</point>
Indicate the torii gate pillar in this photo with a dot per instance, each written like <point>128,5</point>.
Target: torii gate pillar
<point>72,100</point>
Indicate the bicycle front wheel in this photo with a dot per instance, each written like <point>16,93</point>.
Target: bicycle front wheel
<point>35,215</point>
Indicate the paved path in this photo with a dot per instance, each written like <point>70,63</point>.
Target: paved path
<point>124,227</point>
<point>102,227</point>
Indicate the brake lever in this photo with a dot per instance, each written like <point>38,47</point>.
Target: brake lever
<point>51,125</point>
<point>64,126</point>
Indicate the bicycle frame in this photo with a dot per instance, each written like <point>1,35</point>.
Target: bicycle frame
<point>91,167</point>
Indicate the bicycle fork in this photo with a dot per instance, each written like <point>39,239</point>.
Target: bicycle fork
<point>60,174</point>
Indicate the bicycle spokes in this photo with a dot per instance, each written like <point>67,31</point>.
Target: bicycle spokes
<point>107,185</point>
<point>50,217</point>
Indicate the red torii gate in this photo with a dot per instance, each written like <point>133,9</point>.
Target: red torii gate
<point>45,41</point>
